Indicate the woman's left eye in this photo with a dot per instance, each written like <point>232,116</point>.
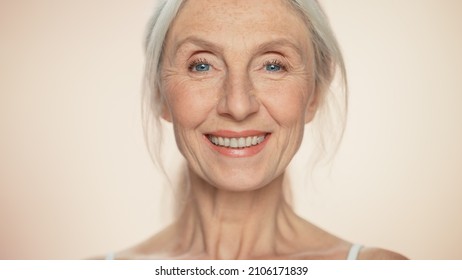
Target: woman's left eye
<point>203,67</point>
<point>274,66</point>
<point>200,65</point>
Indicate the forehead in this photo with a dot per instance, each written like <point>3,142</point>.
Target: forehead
<point>239,22</point>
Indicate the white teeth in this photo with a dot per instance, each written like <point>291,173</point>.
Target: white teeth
<point>241,143</point>
<point>248,141</point>
<point>233,143</point>
<point>237,142</point>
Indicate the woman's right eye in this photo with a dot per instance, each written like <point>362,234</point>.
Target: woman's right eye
<point>199,66</point>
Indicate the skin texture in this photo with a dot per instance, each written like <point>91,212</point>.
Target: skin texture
<point>259,75</point>
<point>237,93</point>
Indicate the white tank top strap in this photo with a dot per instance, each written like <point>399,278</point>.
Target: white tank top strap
<point>354,252</point>
<point>110,256</point>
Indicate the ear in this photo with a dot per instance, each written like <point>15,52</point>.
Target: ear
<point>312,105</point>
<point>166,115</point>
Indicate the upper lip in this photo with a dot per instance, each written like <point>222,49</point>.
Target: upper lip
<point>237,134</point>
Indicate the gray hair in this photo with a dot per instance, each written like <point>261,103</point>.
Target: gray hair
<point>331,115</point>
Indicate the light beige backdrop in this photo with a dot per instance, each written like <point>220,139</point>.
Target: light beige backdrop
<point>76,179</point>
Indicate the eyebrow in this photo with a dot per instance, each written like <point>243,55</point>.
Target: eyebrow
<point>261,48</point>
<point>198,42</point>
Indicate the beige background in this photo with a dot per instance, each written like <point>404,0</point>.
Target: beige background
<point>76,179</point>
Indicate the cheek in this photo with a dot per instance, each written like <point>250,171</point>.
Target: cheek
<point>287,102</point>
<point>189,104</point>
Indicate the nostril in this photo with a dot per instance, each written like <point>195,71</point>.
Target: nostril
<point>238,106</point>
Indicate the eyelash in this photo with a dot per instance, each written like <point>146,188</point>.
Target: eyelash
<point>196,62</point>
<point>276,62</point>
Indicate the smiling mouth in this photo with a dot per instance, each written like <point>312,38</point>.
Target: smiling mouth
<point>237,142</point>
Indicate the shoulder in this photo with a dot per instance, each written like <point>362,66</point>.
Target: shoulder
<point>370,253</point>
<point>95,258</point>
<point>108,256</point>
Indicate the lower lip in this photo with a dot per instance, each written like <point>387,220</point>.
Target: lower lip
<point>238,152</point>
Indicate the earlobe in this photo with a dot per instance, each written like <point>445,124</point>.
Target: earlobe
<point>312,106</point>
<point>166,115</point>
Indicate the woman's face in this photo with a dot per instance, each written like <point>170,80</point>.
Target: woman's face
<point>238,82</point>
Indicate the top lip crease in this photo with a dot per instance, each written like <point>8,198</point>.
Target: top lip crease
<point>237,134</point>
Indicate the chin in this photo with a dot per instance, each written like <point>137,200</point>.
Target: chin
<point>241,183</point>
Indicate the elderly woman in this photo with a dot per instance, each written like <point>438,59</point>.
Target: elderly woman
<point>240,80</point>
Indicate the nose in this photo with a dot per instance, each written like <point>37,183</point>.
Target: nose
<point>238,101</point>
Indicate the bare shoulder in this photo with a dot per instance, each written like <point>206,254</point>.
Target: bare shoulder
<point>158,246</point>
<point>95,258</point>
<point>370,253</point>
<point>107,256</point>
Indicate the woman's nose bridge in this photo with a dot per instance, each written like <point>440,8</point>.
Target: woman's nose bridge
<point>238,86</point>
<point>239,95</point>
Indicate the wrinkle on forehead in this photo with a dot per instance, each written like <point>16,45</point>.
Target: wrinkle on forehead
<point>222,6</point>
<point>227,13</point>
<point>239,22</point>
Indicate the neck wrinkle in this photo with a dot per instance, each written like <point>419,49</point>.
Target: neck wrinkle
<point>234,225</point>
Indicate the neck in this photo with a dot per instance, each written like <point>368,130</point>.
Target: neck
<point>224,224</point>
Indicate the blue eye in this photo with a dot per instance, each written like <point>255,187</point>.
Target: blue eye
<point>201,67</point>
<point>273,67</point>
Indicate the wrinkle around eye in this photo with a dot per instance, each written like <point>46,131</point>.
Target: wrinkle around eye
<point>174,82</point>
<point>168,72</point>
